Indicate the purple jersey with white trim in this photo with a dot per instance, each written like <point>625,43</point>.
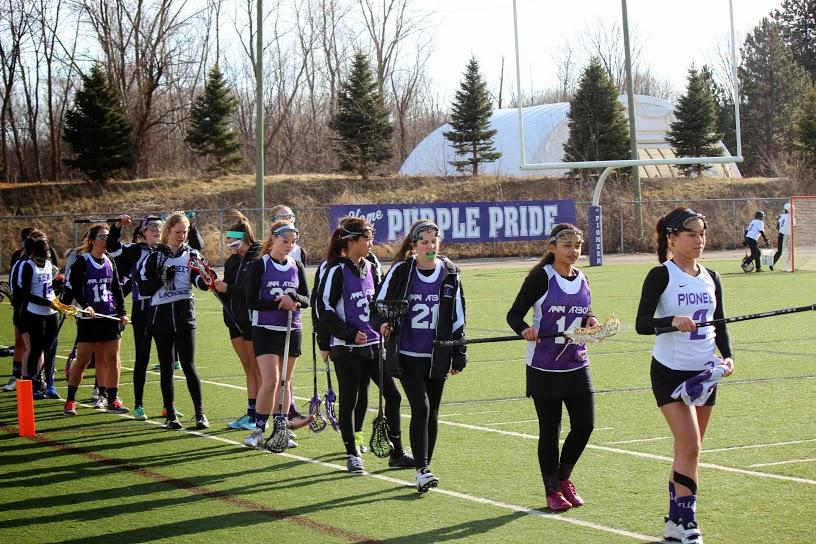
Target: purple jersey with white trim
<point>97,287</point>
<point>419,324</point>
<point>562,308</point>
<point>358,295</point>
<point>277,280</point>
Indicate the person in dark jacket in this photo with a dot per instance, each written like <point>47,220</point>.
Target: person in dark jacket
<point>431,286</point>
<point>237,316</point>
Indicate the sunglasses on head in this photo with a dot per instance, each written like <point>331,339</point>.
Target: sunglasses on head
<point>102,237</point>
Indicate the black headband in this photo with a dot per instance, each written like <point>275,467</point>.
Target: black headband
<point>679,222</point>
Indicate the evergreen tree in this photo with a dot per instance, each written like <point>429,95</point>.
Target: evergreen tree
<point>210,133</point>
<point>361,125</point>
<point>472,137</point>
<point>723,110</point>
<point>693,134</point>
<point>771,84</point>
<point>805,129</point>
<point>598,129</point>
<point>97,131</point>
<point>797,22</point>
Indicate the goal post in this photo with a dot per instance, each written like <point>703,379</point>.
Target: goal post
<point>803,233</point>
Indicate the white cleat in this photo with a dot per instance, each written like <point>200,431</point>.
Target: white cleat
<point>425,480</point>
<point>255,440</point>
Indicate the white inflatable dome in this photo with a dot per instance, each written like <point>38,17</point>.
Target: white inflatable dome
<point>545,132</point>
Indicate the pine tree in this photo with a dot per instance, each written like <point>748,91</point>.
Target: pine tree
<point>797,22</point>
<point>723,110</point>
<point>693,134</point>
<point>361,125</point>
<point>598,129</point>
<point>97,131</point>
<point>472,137</point>
<point>210,133</point>
<point>771,84</point>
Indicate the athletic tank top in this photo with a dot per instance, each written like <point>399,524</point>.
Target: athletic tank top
<point>354,305</point>
<point>277,280</point>
<point>419,324</point>
<point>41,286</point>
<point>97,286</point>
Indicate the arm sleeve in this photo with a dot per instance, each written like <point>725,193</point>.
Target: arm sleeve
<point>113,245</point>
<point>194,239</point>
<point>459,355</point>
<point>533,288</point>
<point>149,278</point>
<point>118,294</point>
<point>653,286</point>
<point>332,290</point>
<point>302,294</point>
<point>722,338</point>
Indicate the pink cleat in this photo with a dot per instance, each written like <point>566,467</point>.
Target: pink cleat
<point>557,503</point>
<point>569,493</point>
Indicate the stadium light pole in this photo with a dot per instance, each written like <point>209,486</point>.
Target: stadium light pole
<point>259,120</point>
<point>630,92</point>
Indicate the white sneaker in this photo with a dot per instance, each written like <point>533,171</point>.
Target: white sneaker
<point>691,533</point>
<point>95,394</point>
<point>672,532</point>
<point>291,444</point>
<point>425,480</point>
<point>101,403</point>
<point>10,386</point>
<point>256,439</point>
<point>354,465</point>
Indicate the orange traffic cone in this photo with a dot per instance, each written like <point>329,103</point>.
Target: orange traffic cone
<point>25,408</point>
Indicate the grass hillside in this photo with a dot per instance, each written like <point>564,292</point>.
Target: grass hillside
<point>53,206</point>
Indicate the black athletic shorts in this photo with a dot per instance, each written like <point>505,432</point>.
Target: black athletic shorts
<point>245,332</point>
<point>97,330</point>
<point>558,385</point>
<point>269,342</point>
<point>665,381</point>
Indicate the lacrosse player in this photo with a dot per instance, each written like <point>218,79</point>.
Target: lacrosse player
<point>783,223</point>
<point>753,231</point>
<point>241,241</point>
<point>679,293</point>
<point>347,291</point>
<point>20,345</point>
<point>275,285</point>
<point>129,258</point>
<point>431,285</point>
<point>166,276</point>
<point>93,282</point>
<point>558,371</point>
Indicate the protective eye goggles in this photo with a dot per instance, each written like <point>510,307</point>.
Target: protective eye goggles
<point>102,237</point>
<point>682,222</point>
<point>284,217</point>
<point>567,235</point>
<point>284,229</point>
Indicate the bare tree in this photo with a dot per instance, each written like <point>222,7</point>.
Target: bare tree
<point>406,83</point>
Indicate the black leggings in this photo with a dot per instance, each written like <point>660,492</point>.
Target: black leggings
<point>184,341</point>
<point>353,377</point>
<point>141,339</point>
<point>780,242</point>
<point>424,395</point>
<point>42,329</point>
<point>581,409</point>
<point>754,247</point>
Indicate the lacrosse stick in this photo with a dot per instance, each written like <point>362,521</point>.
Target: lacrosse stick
<point>580,335</point>
<point>318,424</point>
<point>747,317</point>
<point>69,309</point>
<point>5,291</point>
<point>200,266</point>
<point>331,398</point>
<point>380,443</point>
<point>279,439</point>
<point>70,361</point>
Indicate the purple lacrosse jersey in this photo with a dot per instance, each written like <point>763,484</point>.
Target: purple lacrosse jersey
<point>358,294</point>
<point>563,308</point>
<point>419,324</point>
<point>98,285</point>
<point>277,279</point>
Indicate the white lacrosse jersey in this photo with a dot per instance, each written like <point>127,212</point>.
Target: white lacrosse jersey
<point>691,296</point>
<point>784,224</point>
<point>754,228</point>
<point>41,286</point>
<point>180,287</point>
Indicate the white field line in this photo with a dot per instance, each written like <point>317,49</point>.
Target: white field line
<point>472,413</point>
<point>463,496</point>
<point>656,438</point>
<point>640,455</point>
<point>768,445</point>
<point>776,463</point>
<point>513,422</point>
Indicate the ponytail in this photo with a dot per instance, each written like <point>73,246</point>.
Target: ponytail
<point>663,252</point>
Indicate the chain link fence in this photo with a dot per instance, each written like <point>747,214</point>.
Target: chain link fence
<point>726,218</point>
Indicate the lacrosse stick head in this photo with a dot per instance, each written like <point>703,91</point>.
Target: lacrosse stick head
<point>5,291</point>
<point>318,424</point>
<point>380,444</point>
<point>279,439</point>
<point>588,335</point>
<point>200,266</point>
<point>66,309</point>
<point>330,415</point>
<point>392,310</point>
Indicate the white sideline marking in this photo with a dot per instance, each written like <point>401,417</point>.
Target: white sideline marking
<point>608,449</point>
<point>769,444</point>
<point>472,413</point>
<point>639,440</point>
<point>782,463</point>
<point>464,496</point>
<point>513,422</point>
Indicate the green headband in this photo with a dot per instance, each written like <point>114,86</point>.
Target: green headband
<point>236,234</point>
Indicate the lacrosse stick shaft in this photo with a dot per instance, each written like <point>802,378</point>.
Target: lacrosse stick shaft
<point>285,361</point>
<point>491,339</point>
<point>747,317</point>
<point>96,220</point>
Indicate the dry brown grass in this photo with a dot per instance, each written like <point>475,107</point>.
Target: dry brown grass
<point>310,194</point>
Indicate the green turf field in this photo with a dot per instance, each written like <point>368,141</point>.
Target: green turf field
<point>100,478</point>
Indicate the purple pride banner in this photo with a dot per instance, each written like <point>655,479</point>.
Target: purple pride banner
<point>465,222</point>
